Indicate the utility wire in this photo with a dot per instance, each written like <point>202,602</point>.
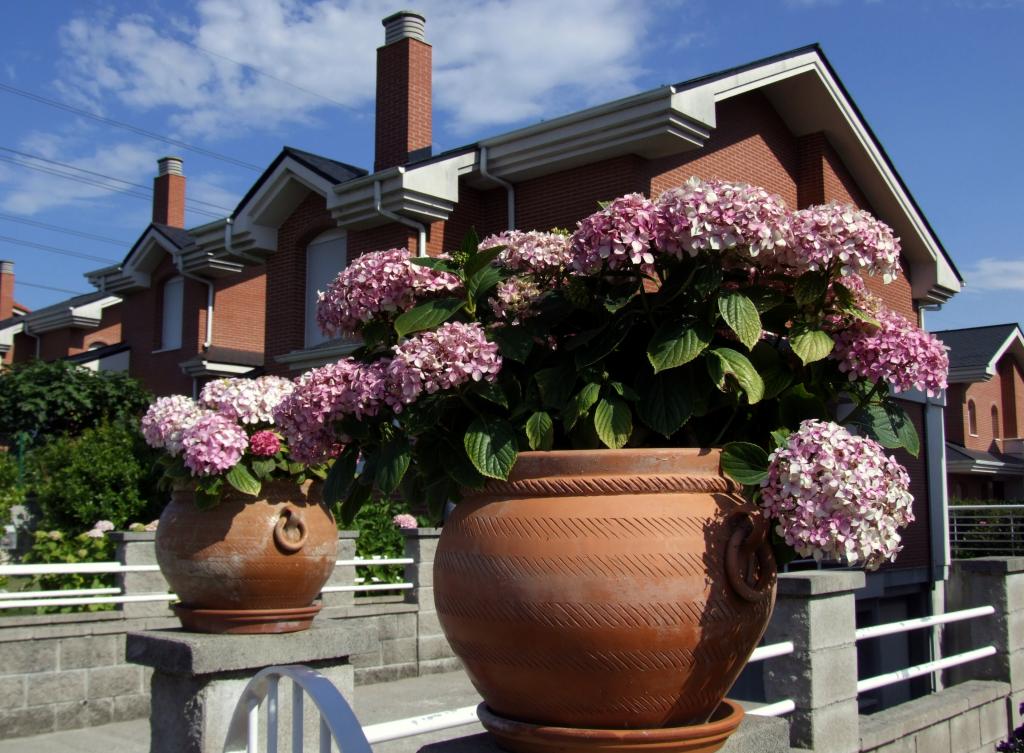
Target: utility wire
<point>48,287</point>
<point>104,176</point>
<point>127,127</point>
<point>55,249</point>
<point>96,184</point>
<point>62,229</point>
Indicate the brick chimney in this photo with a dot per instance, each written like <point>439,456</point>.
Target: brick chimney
<point>6,289</point>
<point>169,193</point>
<point>404,66</point>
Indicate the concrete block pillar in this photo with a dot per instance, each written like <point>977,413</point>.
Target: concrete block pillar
<point>198,679</point>
<point>434,653</point>
<point>343,575</point>
<point>140,549</point>
<point>999,582</point>
<point>815,610</point>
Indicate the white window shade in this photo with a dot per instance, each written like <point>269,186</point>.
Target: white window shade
<point>174,298</point>
<point>325,258</point>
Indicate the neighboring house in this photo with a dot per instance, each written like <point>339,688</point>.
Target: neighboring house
<point>86,328</point>
<point>785,123</point>
<point>985,412</point>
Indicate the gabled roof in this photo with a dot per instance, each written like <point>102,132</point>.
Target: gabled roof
<point>963,460</point>
<point>975,352</point>
<point>78,312</point>
<point>142,258</point>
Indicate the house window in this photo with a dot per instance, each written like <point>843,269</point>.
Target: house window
<point>170,332</point>
<point>325,258</point>
<point>995,422</point>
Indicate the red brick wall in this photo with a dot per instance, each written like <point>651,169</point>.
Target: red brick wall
<point>955,415</point>
<point>169,200</point>
<point>404,113</point>
<point>916,537</point>
<point>6,294</point>
<point>984,395</point>
<point>239,311</point>
<point>109,331</point>
<point>1012,383</point>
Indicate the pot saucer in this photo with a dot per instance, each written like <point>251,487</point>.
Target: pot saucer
<point>246,621</point>
<point>523,737</point>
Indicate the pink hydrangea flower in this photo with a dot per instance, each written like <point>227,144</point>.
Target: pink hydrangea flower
<point>897,351</point>
<point>166,419</point>
<point>382,282</point>
<point>835,495</point>
<point>830,233</point>
<point>405,521</point>
<point>542,254</point>
<point>103,526</point>
<point>264,444</point>
<point>213,445</point>
<point>715,215</point>
<point>618,236</point>
<point>452,355</point>
<point>323,395</point>
<point>514,299</point>
<point>95,533</point>
<point>251,401</point>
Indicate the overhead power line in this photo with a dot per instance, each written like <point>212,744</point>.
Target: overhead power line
<point>127,127</point>
<point>55,249</point>
<point>62,229</point>
<point>49,287</point>
<point>93,173</point>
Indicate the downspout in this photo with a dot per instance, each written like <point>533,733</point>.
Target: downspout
<point>421,229</point>
<point>510,190</point>
<point>37,338</point>
<point>180,264</point>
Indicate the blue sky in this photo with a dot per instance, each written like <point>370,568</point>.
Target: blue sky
<point>940,82</point>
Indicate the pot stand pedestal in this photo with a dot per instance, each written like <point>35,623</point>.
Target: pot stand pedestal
<point>198,678</point>
<point>246,621</point>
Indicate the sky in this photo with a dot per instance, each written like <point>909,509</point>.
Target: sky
<point>227,83</point>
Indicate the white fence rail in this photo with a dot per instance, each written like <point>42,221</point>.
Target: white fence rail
<point>78,597</point>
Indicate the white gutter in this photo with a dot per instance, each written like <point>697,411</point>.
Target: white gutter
<point>179,263</point>
<point>510,189</point>
<point>421,229</point>
<point>38,339</point>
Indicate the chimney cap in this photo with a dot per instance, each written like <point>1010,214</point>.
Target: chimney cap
<point>405,24</point>
<point>6,267</point>
<point>169,166</point>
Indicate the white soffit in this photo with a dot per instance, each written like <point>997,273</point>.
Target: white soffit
<point>809,99</point>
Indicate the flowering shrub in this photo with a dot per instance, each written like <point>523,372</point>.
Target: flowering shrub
<point>228,436</point>
<point>712,316</point>
<point>1015,742</point>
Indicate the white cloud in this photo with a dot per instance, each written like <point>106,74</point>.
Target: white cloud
<point>995,274</point>
<point>495,62</point>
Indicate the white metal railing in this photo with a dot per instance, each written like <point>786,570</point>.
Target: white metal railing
<point>926,668</point>
<point>113,595</point>
<point>986,530</point>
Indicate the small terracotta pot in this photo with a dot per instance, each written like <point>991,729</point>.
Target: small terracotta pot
<point>248,565</point>
<point>605,589</point>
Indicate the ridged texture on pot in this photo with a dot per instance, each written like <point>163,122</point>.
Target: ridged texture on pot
<point>590,590</point>
<point>228,557</point>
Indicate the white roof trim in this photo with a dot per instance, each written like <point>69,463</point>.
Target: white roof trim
<point>202,368</point>
<point>85,316</point>
<point>7,335</point>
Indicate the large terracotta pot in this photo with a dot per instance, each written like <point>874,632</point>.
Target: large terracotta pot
<point>605,589</point>
<point>248,565</point>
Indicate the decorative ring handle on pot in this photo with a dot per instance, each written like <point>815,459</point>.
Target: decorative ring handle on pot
<point>748,548</point>
<point>290,531</point>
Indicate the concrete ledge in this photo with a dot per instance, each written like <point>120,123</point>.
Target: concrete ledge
<point>919,714</point>
<point>820,582</point>
<point>177,652</point>
<point>992,565</point>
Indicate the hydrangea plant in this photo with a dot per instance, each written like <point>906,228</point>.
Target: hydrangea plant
<point>711,316</point>
<point>226,437</point>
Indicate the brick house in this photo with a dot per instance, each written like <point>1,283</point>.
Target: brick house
<point>985,412</point>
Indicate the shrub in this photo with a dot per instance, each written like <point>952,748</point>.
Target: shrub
<point>380,537</point>
<point>58,398</point>
<point>57,547</point>
<point>1015,742</point>
<point>106,473</point>
<point>12,492</point>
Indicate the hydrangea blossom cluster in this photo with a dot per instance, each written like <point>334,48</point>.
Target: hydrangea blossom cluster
<point>100,529</point>
<point>715,215</point>
<point>837,496</point>
<point>618,236</point>
<point>542,254</point>
<point>514,298</point>
<point>405,520</point>
<point>832,232</point>
<point>251,401</point>
<point>896,351</point>
<point>323,395</point>
<point>264,444</point>
<point>213,444</point>
<point>382,282</point>
<point>447,357</point>
<point>166,419</point>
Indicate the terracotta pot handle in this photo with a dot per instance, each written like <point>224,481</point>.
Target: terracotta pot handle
<point>748,546</point>
<point>288,525</point>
